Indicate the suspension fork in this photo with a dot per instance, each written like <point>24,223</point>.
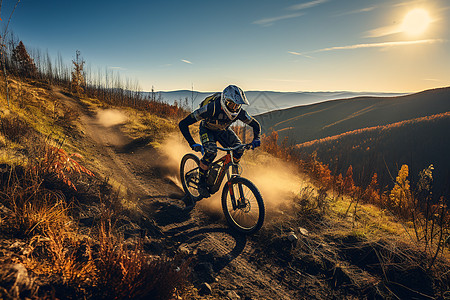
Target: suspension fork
<point>240,201</point>
<point>231,190</point>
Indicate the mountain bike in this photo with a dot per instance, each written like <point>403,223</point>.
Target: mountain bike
<point>242,202</point>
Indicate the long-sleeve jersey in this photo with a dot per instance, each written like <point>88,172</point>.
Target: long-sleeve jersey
<point>213,117</point>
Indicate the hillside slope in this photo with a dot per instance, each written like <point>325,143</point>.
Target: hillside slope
<point>418,143</point>
<point>306,123</point>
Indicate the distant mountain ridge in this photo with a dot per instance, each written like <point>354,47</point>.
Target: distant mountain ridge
<point>264,101</point>
<point>316,121</point>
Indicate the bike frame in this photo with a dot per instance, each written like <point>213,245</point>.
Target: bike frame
<point>227,162</point>
<point>242,202</point>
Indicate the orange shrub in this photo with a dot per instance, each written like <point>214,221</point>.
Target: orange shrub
<point>56,161</point>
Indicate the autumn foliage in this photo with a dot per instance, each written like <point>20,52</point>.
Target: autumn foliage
<point>400,199</point>
<point>383,149</point>
<point>269,144</point>
<point>59,163</point>
<point>400,196</point>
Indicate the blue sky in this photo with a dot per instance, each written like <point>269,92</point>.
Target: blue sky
<point>286,45</point>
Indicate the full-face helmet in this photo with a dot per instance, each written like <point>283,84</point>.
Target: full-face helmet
<point>232,100</point>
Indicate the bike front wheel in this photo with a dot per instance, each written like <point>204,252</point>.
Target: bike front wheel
<point>243,205</point>
<point>189,175</point>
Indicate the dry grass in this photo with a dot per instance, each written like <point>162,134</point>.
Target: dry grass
<point>14,128</point>
<point>143,125</point>
<point>75,264</point>
<point>41,218</point>
<point>132,274</point>
<point>35,181</point>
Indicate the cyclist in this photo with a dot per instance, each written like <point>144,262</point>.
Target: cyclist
<point>216,113</point>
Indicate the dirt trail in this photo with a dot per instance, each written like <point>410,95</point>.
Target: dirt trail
<point>225,254</point>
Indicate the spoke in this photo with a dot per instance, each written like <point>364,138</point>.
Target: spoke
<point>246,217</point>
<point>249,195</point>
<point>245,220</point>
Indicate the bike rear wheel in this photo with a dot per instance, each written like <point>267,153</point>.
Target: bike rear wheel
<point>190,176</point>
<point>243,205</point>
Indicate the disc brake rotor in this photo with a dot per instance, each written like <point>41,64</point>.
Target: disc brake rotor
<point>245,206</point>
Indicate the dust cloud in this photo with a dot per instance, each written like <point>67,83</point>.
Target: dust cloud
<point>173,149</point>
<point>111,117</point>
<point>278,181</point>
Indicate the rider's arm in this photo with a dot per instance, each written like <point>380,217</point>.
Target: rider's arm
<point>197,115</point>
<point>250,121</point>
<point>184,128</point>
<point>256,128</point>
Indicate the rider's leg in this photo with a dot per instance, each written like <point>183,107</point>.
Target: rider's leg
<point>209,145</point>
<point>227,138</point>
<point>203,170</point>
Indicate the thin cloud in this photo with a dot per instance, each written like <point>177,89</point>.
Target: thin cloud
<point>357,11</point>
<point>187,61</point>
<point>374,45</point>
<point>383,31</point>
<point>301,6</point>
<point>409,3</point>
<point>307,5</point>
<point>299,54</point>
<point>270,21</point>
<point>433,79</point>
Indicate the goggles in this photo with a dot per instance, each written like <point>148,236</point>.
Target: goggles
<point>233,107</point>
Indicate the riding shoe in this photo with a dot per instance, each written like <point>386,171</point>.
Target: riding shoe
<point>203,189</point>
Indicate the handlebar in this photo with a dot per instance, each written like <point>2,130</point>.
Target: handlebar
<point>245,146</point>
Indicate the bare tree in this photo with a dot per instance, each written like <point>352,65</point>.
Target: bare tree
<point>192,96</point>
<point>2,50</point>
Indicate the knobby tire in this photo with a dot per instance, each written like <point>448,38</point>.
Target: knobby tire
<point>256,205</point>
<point>189,175</point>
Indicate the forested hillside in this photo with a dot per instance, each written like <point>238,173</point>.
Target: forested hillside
<point>418,143</point>
<point>305,123</point>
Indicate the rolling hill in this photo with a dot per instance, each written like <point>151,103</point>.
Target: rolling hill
<point>305,123</point>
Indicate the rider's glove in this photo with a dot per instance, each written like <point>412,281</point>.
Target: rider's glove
<point>256,143</point>
<point>197,148</point>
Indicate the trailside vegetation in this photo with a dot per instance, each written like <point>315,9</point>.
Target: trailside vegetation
<point>427,214</point>
<point>46,188</point>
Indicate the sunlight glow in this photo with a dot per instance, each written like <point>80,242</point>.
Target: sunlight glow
<point>416,22</point>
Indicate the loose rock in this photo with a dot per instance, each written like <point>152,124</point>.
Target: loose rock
<point>292,237</point>
<point>232,295</point>
<point>303,231</point>
<point>205,289</point>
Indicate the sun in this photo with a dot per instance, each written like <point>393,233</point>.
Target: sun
<point>415,22</point>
